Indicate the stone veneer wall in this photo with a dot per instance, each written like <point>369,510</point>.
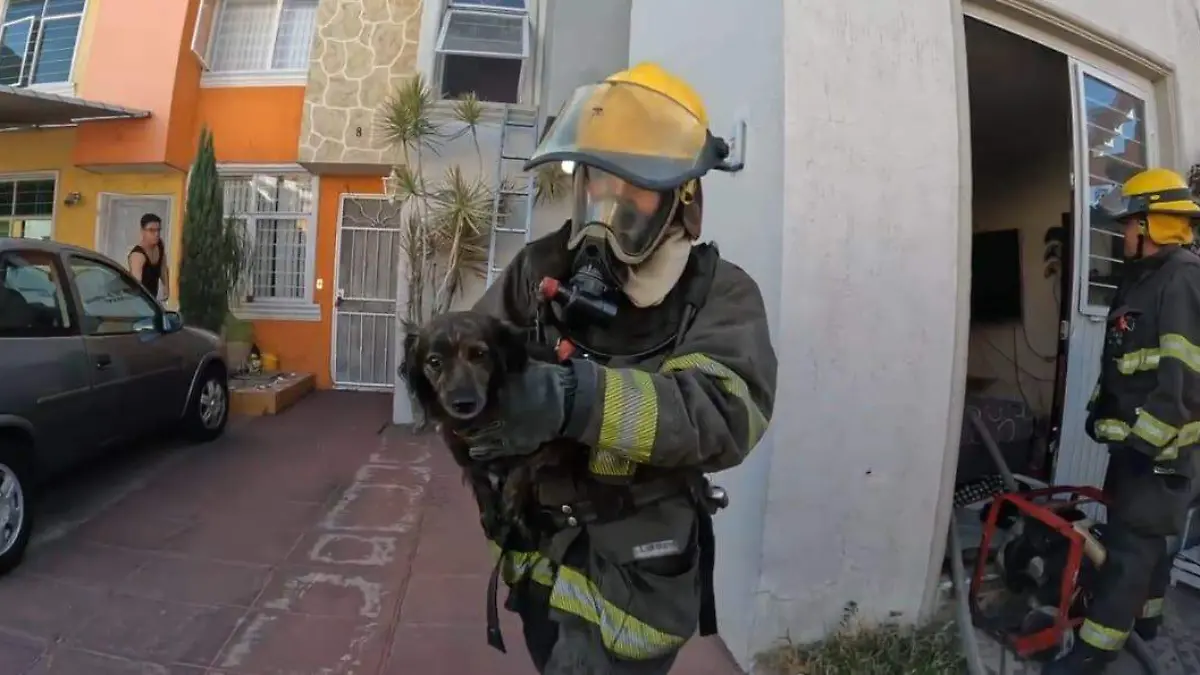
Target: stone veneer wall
<point>363,50</point>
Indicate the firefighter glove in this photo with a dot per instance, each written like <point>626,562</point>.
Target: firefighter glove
<point>532,410</point>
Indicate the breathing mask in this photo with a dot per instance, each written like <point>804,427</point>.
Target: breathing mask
<point>639,141</point>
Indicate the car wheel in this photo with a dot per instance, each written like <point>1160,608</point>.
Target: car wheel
<point>208,411</point>
<point>16,518</point>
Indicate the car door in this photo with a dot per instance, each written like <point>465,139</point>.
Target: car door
<point>45,376</point>
<point>132,356</point>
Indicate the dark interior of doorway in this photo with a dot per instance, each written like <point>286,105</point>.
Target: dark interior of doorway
<point>1022,156</point>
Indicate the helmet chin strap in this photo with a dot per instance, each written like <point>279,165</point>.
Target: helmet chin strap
<point>1141,241</point>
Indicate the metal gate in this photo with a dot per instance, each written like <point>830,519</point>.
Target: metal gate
<point>366,293</point>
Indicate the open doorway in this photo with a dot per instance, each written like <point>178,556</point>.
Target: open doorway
<point>1022,151</point>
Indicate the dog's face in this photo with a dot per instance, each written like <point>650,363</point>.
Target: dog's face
<point>456,362</point>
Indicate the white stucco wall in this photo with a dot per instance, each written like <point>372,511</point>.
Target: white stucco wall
<point>873,233</point>
<point>734,58</point>
<point>852,176</point>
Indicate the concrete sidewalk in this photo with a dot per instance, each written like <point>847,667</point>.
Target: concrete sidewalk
<point>322,541</point>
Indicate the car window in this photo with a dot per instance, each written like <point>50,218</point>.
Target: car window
<point>32,303</point>
<point>112,302</point>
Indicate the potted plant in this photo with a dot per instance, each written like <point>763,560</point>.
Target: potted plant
<point>239,341</point>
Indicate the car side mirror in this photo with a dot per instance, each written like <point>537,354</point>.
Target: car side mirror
<point>172,322</point>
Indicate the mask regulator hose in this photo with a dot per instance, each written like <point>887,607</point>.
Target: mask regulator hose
<point>575,299</point>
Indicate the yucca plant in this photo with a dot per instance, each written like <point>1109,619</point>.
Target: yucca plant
<point>551,183</point>
<point>447,220</point>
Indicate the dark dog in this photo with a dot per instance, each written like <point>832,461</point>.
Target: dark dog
<point>455,365</point>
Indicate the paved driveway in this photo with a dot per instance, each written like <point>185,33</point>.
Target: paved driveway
<point>319,542</point>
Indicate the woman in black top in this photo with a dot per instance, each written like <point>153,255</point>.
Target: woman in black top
<point>146,259</point>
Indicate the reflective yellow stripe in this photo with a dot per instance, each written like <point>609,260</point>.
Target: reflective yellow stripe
<point>572,592</point>
<point>623,634</point>
<point>1152,609</point>
<point>520,564</point>
<point>1176,346</point>
<point>1153,430</point>
<point>1141,360</point>
<point>1102,637</point>
<point>729,381</point>
<point>1095,393</point>
<point>628,423</point>
<point>609,464</point>
<point>1170,346</point>
<point>1116,431</point>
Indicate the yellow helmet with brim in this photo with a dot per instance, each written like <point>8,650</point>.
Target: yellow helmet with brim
<point>643,125</point>
<point>1151,191</point>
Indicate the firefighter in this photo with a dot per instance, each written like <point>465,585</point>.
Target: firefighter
<point>673,376</point>
<point>1147,409</point>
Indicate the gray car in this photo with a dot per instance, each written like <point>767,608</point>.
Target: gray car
<point>88,361</point>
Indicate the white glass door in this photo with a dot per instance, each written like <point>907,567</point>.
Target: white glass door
<point>1114,139</point>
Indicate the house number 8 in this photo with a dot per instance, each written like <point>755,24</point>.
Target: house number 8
<point>358,132</point>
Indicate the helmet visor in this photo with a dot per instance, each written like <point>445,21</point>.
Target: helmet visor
<point>1119,206</point>
<point>608,206</point>
<point>630,131</point>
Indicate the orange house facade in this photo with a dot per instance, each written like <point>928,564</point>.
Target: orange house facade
<point>101,106</point>
<point>102,103</point>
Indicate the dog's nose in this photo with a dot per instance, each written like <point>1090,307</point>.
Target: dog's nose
<point>464,405</point>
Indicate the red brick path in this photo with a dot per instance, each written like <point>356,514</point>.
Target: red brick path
<point>318,542</point>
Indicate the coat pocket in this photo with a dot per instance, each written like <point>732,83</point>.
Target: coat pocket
<point>640,582</point>
<point>1153,504</point>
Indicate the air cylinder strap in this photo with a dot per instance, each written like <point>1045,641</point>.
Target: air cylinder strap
<point>708,560</point>
<point>495,637</point>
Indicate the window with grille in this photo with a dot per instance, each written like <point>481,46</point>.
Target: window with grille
<point>483,48</point>
<point>277,216</point>
<point>27,208</point>
<point>38,40</point>
<point>250,36</point>
<point>1117,148</point>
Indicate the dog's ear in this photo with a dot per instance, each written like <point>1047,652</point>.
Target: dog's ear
<point>412,332</point>
<point>513,344</point>
<point>412,369</point>
<point>410,361</point>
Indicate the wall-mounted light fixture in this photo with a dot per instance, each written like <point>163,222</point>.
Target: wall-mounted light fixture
<point>391,185</point>
<point>72,198</point>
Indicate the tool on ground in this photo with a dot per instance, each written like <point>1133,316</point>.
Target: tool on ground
<point>1034,568</point>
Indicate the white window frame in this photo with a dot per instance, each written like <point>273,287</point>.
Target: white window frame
<point>203,31</point>
<point>263,77</point>
<point>1081,71</point>
<point>282,309</point>
<point>66,87</point>
<point>37,175</point>
<point>434,29</point>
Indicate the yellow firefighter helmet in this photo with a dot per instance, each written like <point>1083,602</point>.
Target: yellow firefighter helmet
<point>643,125</point>
<point>1163,198</point>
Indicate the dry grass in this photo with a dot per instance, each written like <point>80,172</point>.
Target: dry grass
<point>856,649</point>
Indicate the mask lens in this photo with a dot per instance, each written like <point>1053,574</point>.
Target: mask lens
<point>626,215</point>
